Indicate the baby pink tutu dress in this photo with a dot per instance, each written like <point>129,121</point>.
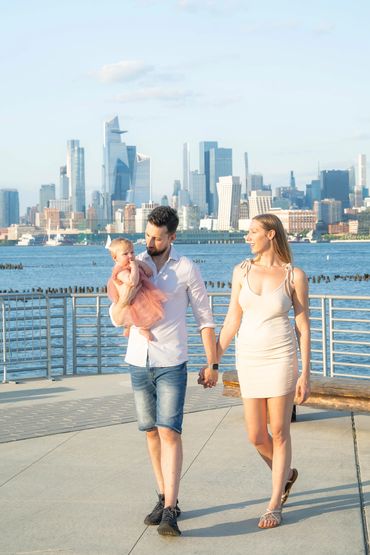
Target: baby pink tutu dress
<point>146,308</point>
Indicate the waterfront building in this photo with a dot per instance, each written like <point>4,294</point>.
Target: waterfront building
<point>183,198</point>
<point>77,220</point>
<point>63,183</point>
<point>50,218</point>
<point>129,218</point>
<point>197,191</point>
<point>335,185</point>
<point>364,222</point>
<point>296,221</point>
<point>46,194</point>
<point>189,218</point>
<point>31,212</point>
<point>141,185</point>
<point>220,165</point>
<point>208,223</point>
<point>76,175</point>
<point>244,220</point>
<point>9,207</point>
<point>260,202</point>
<point>328,211</point>
<point>141,216</point>
<point>339,228</point>
<point>229,192</point>
<point>15,231</point>
<point>204,149</point>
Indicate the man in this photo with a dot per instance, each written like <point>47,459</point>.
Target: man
<point>158,368</point>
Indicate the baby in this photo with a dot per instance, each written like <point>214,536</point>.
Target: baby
<point>146,307</point>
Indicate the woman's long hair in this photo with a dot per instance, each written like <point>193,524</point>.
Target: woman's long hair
<point>280,242</point>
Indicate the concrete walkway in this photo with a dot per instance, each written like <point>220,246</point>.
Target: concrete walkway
<point>86,490</point>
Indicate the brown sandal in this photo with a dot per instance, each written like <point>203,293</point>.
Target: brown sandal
<point>288,485</point>
<point>273,516</point>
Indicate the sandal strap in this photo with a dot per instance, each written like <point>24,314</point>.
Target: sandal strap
<point>272,514</point>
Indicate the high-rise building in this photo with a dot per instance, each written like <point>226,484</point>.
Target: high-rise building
<point>335,185</point>
<point>256,182</point>
<point>204,148</point>
<point>220,165</point>
<point>361,181</point>
<point>292,180</point>
<point>9,207</point>
<point>197,191</point>
<point>313,192</point>
<point>46,194</point>
<point>328,211</point>
<point>260,202</point>
<point>76,175</point>
<point>141,184</point>
<point>63,183</point>
<point>119,161</point>
<point>229,192</point>
<point>246,190</point>
<point>185,166</point>
<point>141,216</point>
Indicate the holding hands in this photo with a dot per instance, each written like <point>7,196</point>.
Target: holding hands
<point>208,377</point>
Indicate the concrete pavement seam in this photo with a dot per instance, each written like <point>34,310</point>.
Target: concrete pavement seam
<point>360,489</point>
<point>37,460</point>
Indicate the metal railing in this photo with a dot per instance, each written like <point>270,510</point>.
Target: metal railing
<point>49,335</point>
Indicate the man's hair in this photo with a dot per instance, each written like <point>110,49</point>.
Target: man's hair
<point>119,244</point>
<point>164,216</point>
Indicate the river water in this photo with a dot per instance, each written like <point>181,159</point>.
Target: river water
<point>90,266</point>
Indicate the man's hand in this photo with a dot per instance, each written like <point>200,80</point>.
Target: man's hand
<point>207,377</point>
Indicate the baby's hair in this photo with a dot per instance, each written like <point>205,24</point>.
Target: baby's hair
<point>119,243</point>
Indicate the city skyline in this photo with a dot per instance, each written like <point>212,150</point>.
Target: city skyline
<point>284,83</point>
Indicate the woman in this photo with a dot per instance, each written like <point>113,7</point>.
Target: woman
<point>263,291</point>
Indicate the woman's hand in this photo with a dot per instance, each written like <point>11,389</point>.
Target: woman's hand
<point>302,390</point>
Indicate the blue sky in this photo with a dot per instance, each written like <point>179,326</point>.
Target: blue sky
<point>286,81</point>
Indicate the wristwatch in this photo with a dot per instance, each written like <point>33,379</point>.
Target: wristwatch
<point>213,366</point>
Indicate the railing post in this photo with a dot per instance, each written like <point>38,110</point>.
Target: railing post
<point>48,336</point>
<point>65,344</point>
<point>323,336</point>
<point>4,342</point>
<point>331,337</point>
<point>98,333</point>
<point>74,339</point>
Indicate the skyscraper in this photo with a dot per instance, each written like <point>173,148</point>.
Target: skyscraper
<point>229,192</point>
<point>204,148</point>
<point>63,183</point>
<point>361,181</point>
<point>260,202</point>
<point>141,184</point>
<point>185,166</point>
<point>335,185</point>
<point>197,191</point>
<point>46,194</point>
<point>220,165</point>
<point>76,175</point>
<point>9,207</point>
<point>117,171</point>
<point>246,190</point>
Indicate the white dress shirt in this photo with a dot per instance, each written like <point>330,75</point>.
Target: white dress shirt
<point>180,279</point>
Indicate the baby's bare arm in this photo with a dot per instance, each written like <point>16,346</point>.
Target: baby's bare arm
<point>146,268</point>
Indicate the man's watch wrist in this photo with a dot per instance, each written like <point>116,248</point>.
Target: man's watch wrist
<point>213,366</point>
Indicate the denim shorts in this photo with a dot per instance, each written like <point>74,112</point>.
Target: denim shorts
<point>159,395</point>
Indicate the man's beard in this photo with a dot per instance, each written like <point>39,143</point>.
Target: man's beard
<point>155,252</point>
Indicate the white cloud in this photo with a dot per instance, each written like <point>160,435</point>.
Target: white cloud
<point>156,93</point>
<point>126,70</point>
<point>323,29</point>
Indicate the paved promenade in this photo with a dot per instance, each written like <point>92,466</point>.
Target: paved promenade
<point>75,477</point>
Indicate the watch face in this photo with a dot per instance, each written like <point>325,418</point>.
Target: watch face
<point>214,366</point>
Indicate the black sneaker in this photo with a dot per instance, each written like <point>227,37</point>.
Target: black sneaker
<point>168,525</point>
<point>154,518</point>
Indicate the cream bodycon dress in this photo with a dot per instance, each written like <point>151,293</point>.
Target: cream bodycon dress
<point>266,351</point>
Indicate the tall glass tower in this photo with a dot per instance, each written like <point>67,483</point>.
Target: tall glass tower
<point>76,175</point>
<point>220,165</point>
<point>204,148</point>
<point>9,207</point>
